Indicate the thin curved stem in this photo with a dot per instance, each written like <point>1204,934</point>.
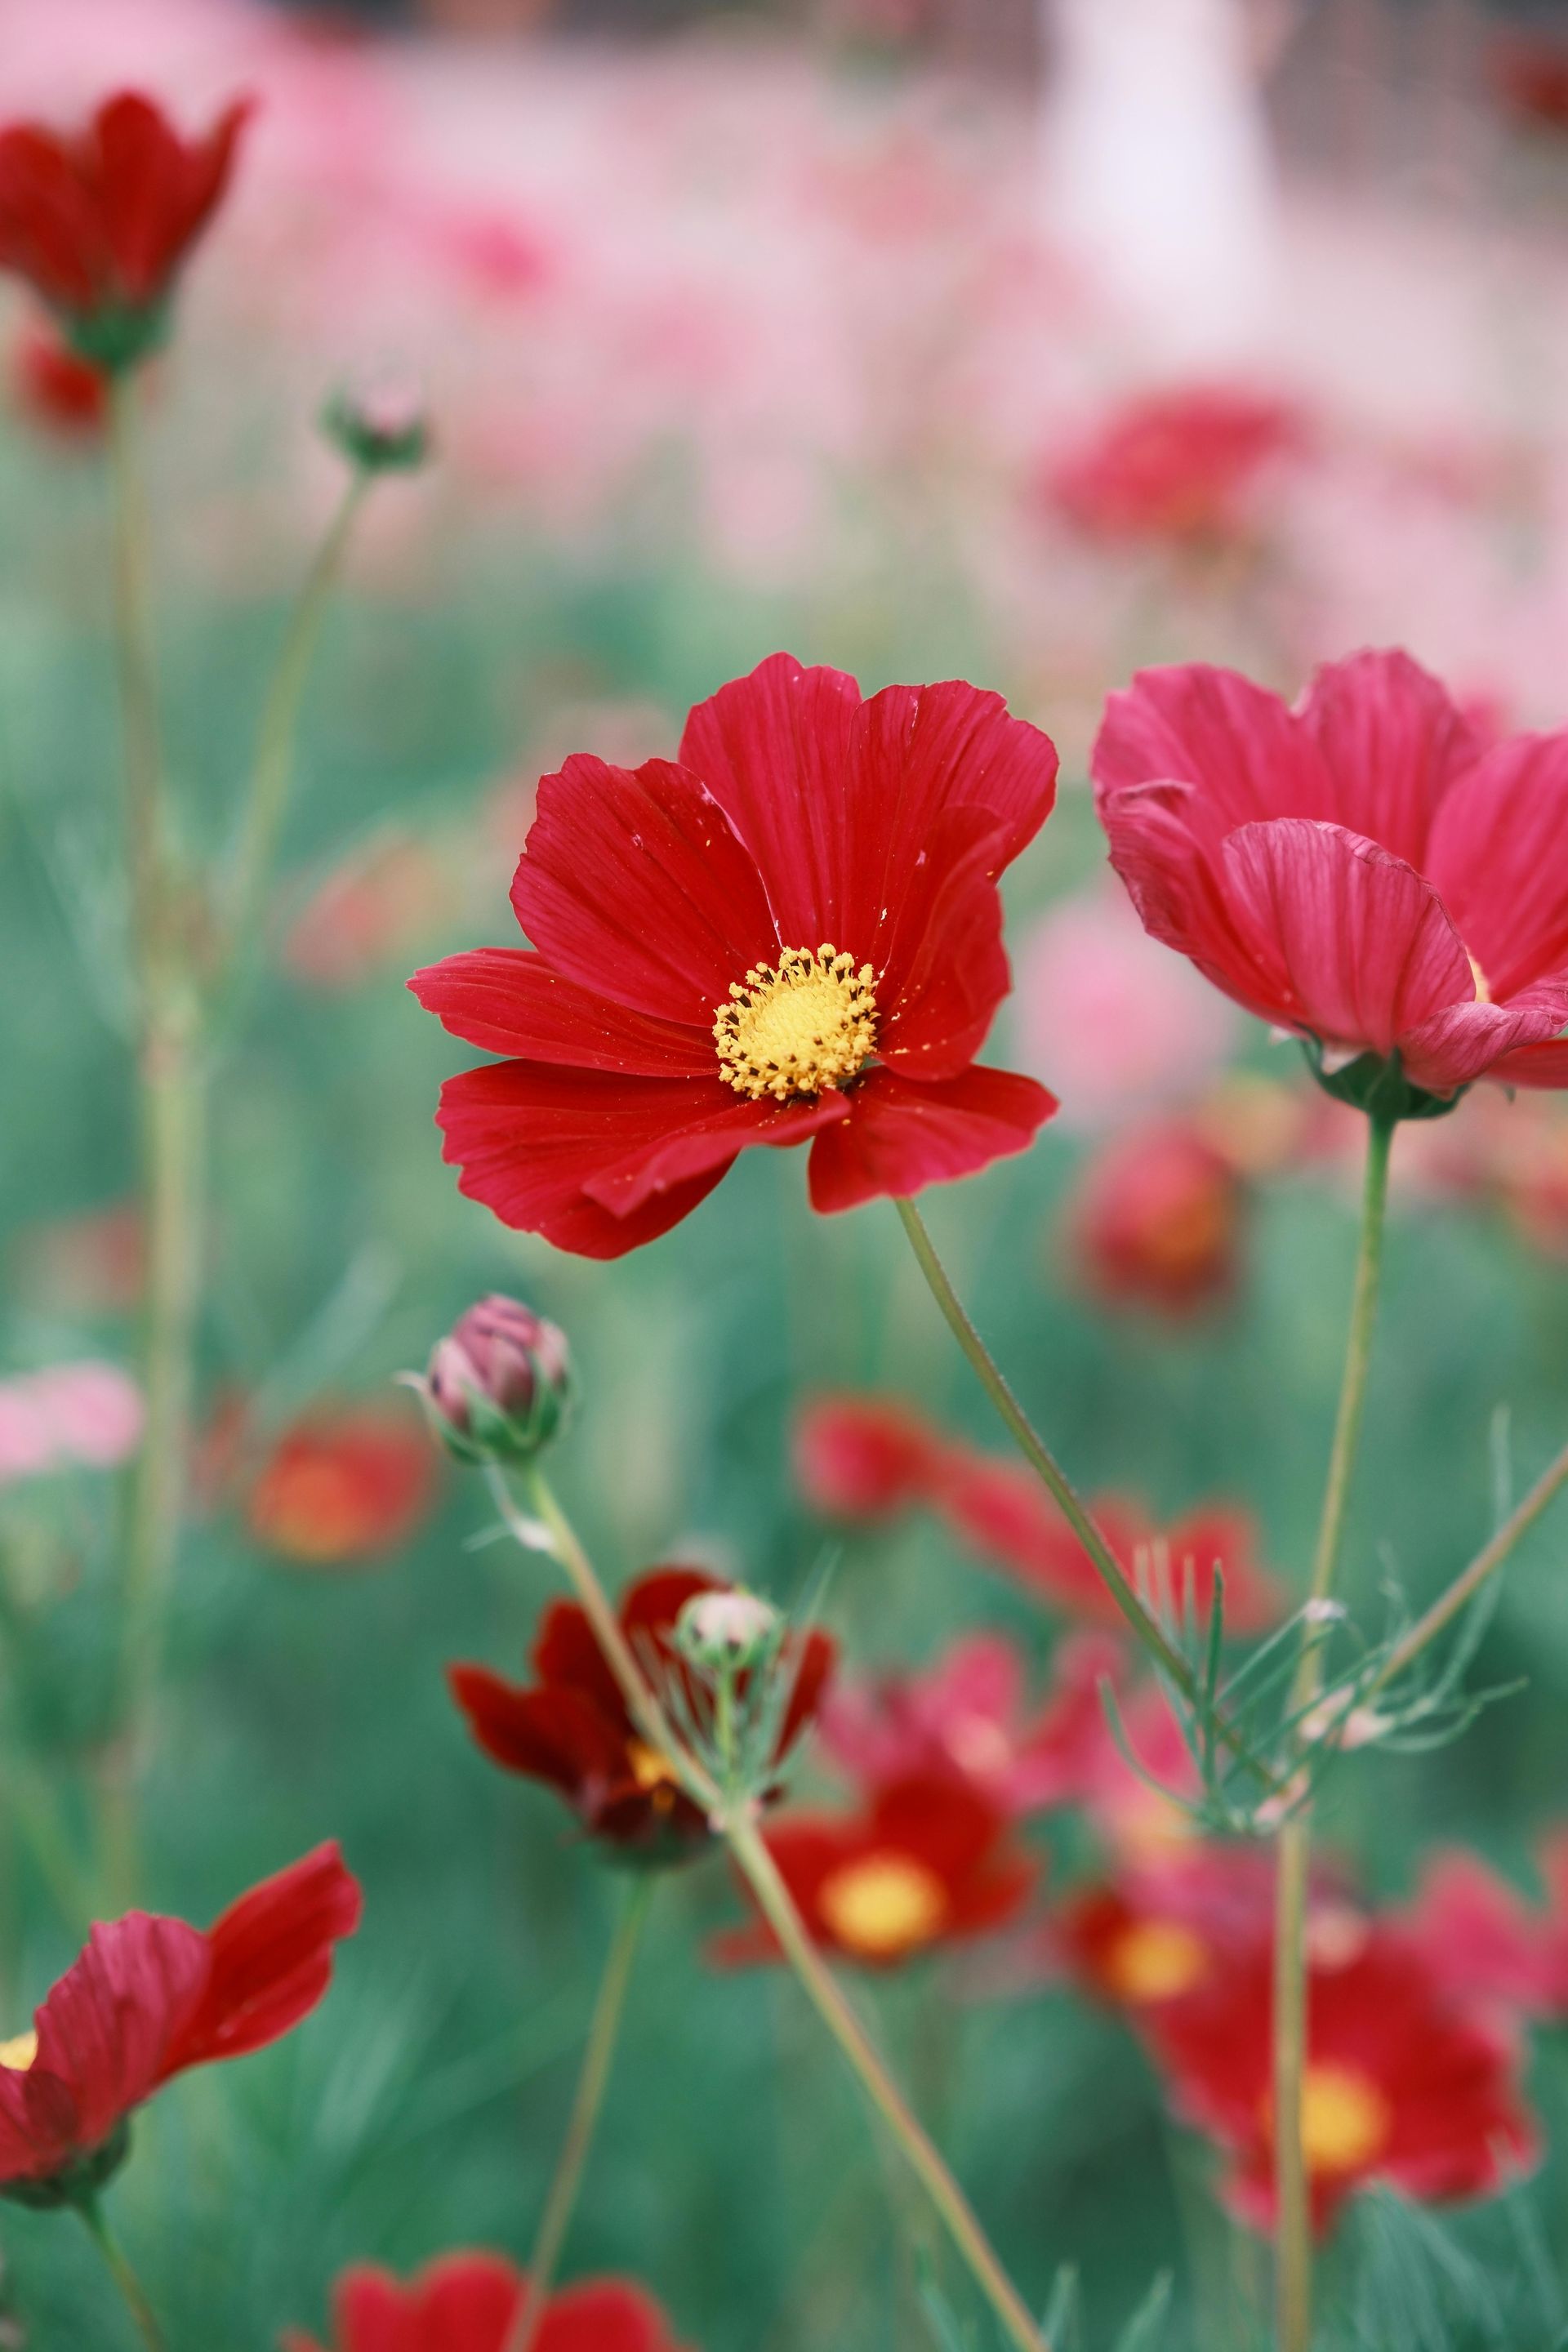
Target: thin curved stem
<point>273,769</point>
<point>597,2053</point>
<point>1038,1455</point>
<point>140,725</point>
<point>1486,1563</point>
<point>1291,2023</point>
<point>737,1826</point>
<point>124,2277</point>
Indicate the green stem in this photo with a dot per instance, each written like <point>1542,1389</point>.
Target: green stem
<point>1293,2229</point>
<point>1486,1563</point>
<point>737,1826</point>
<point>598,2051</point>
<point>124,2277</point>
<point>273,768</point>
<point>1038,1455</point>
<point>138,674</point>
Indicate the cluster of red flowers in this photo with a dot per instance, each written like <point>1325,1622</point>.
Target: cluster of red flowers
<point>1181,463</point>
<point>473,2303</point>
<point>870,1458</point>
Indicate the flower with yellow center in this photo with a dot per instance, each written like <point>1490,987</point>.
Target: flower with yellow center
<point>795,1028</point>
<point>653,1774</point>
<point>882,1906</point>
<point>1346,2118</point>
<point>1155,1959</point>
<point>18,2053</point>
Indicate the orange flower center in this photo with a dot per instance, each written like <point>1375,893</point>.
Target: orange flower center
<point>806,1022</point>
<point>1154,1959</point>
<point>18,2055</point>
<point>883,1905</point>
<point>653,1774</point>
<point>1346,2119</point>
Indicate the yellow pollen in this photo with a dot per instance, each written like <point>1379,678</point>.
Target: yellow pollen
<point>1483,986</point>
<point>650,1770</point>
<point>883,1906</point>
<point>20,2053</point>
<point>1345,2119</point>
<point>806,1022</point>
<point>1154,1959</point>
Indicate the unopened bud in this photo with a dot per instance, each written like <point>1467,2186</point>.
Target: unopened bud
<point>498,1384</point>
<point>382,428</point>
<point>726,1632</point>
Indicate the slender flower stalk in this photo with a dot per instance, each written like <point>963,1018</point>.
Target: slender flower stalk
<point>137,666</point>
<point>1293,2233</point>
<point>272,770</point>
<point>1485,1565</point>
<point>124,2277</point>
<point>1038,1455</point>
<point>736,1824</point>
<point>598,2052</point>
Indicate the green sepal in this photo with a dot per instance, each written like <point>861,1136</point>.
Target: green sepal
<point>117,336</point>
<point>375,449</point>
<point>1376,1084</point>
<point>79,2183</point>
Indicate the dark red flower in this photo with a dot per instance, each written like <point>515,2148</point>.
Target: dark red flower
<point>571,1729</point>
<point>346,1484</point>
<point>470,2302</point>
<point>1403,2084</point>
<point>930,1861</point>
<point>1155,1220</point>
<point>100,221</point>
<point>793,933</point>
<point>151,1997</point>
<point>1359,868</point>
<point>1178,463</point>
<point>866,1457</point>
<point>54,390</point>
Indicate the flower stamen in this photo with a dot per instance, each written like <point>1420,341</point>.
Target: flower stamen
<point>795,1028</point>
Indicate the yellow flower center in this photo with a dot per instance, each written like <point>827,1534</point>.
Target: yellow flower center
<point>1345,2119</point>
<point>883,1906</point>
<point>20,2053</point>
<point>806,1022</point>
<point>653,1774</point>
<point>1154,1959</point>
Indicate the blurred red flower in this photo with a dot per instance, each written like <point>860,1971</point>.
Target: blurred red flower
<point>147,1999</point>
<point>1176,463</point>
<point>794,933</point>
<point>1403,2083</point>
<point>1360,870</point>
<point>1152,1935</point>
<point>345,1483</point>
<point>1486,1941</point>
<point>470,2302</point>
<point>100,221</point>
<point>1530,75</point>
<point>571,1727</point>
<point>366,913</point>
<point>929,1861</point>
<point>54,390</point>
<point>1156,1220</point>
<point>866,1457</point>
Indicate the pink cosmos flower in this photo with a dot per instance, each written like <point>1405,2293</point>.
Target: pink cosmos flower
<point>1487,1941</point>
<point>1359,868</point>
<point>85,1415</point>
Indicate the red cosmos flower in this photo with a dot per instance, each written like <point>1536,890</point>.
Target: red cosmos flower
<point>149,1998</point>
<point>1359,870</point>
<point>54,390</point>
<point>1486,1941</point>
<point>470,2302</point>
<point>100,221</point>
<point>1155,1220</point>
<point>793,933</point>
<point>1176,463</point>
<point>1403,2084</point>
<point>347,1483</point>
<point>929,1861</point>
<point>1162,1934</point>
<point>571,1727</point>
<point>867,1458</point>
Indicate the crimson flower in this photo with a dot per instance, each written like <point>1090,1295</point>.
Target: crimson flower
<point>470,2302</point>
<point>1157,1935</point>
<point>1360,868</point>
<point>1177,463</point>
<point>1156,1220</point>
<point>930,1861</point>
<point>1403,2084</point>
<point>794,933</point>
<point>344,1484</point>
<point>571,1727</point>
<point>867,1458</point>
<point>1486,1941</point>
<point>54,390</point>
<point>147,1999</point>
<point>100,220</point>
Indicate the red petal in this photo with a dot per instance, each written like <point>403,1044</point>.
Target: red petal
<point>49,230</point>
<point>710,1141</point>
<point>811,1668</point>
<point>1533,1065</point>
<point>1242,751</point>
<point>900,1137</point>
<point>601,2315</point>
<point>946,971</point>
<point>1391,742</point>
<point>464,2303</point>
<point>557,1736</point>
<point>269,1960</point>
<point>1472,1041</point>
<point>635,887</point>
<point>1497,856</point>
<point>1156,831</point>
<point>509,1001</point>
<point>943,1821</point>
<point>1360,949</point>
<point>369,2307</point>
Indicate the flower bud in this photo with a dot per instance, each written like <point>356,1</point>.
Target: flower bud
<point>498,1384</point>
<point>727,1632</point>
<point>382,428</point>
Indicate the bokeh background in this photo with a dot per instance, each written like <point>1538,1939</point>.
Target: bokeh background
<point>929,338</point>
